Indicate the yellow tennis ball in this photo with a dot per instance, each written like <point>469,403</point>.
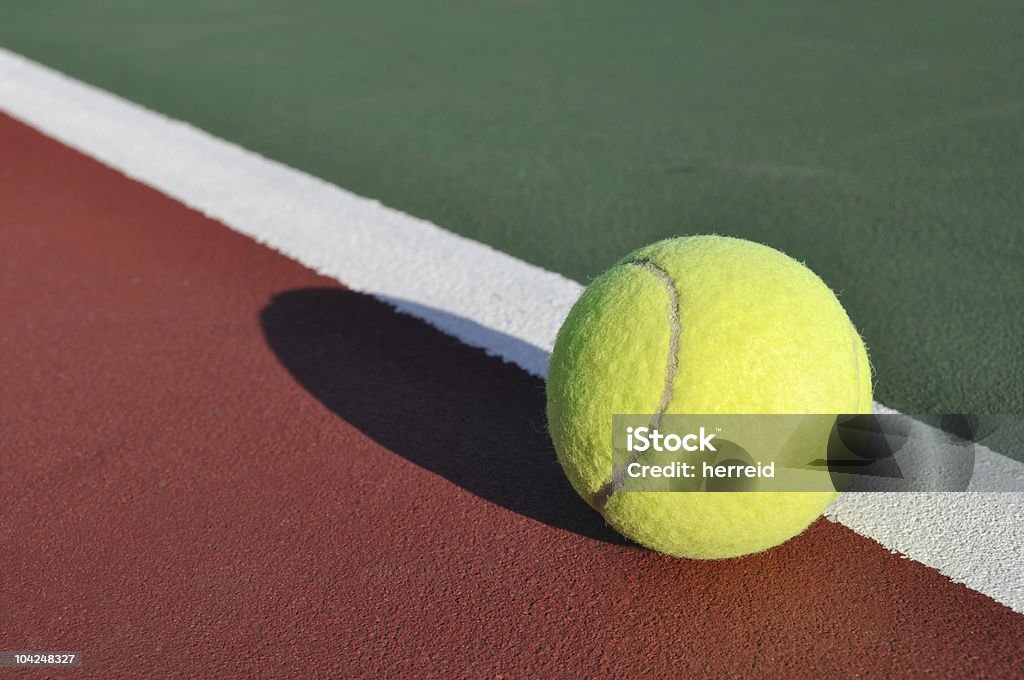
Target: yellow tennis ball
<point>700,325</point>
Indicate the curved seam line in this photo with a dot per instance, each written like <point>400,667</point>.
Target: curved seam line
<point>615,482</point>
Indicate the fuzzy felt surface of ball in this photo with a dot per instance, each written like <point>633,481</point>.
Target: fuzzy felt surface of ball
<point>700,325</point>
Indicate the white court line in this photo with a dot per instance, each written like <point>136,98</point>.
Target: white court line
<point>485,298</point>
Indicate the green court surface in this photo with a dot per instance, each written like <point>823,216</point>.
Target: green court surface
<point>882,143</point>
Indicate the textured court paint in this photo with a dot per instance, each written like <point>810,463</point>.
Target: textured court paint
<point>483,297</point>
<point>975,538</point>
<point>878,142</point>
<point>218,463</point>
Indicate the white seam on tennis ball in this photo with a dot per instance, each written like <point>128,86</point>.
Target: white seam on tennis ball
<point>672,362</point>
<point>614,482</point>
<point>487,299</point>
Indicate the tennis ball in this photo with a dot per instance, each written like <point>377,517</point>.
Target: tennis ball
<point>700,325</point>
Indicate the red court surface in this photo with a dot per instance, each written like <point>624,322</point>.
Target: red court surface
<point>217,463</point>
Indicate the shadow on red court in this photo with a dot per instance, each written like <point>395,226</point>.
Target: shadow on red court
<point>449,408</point>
